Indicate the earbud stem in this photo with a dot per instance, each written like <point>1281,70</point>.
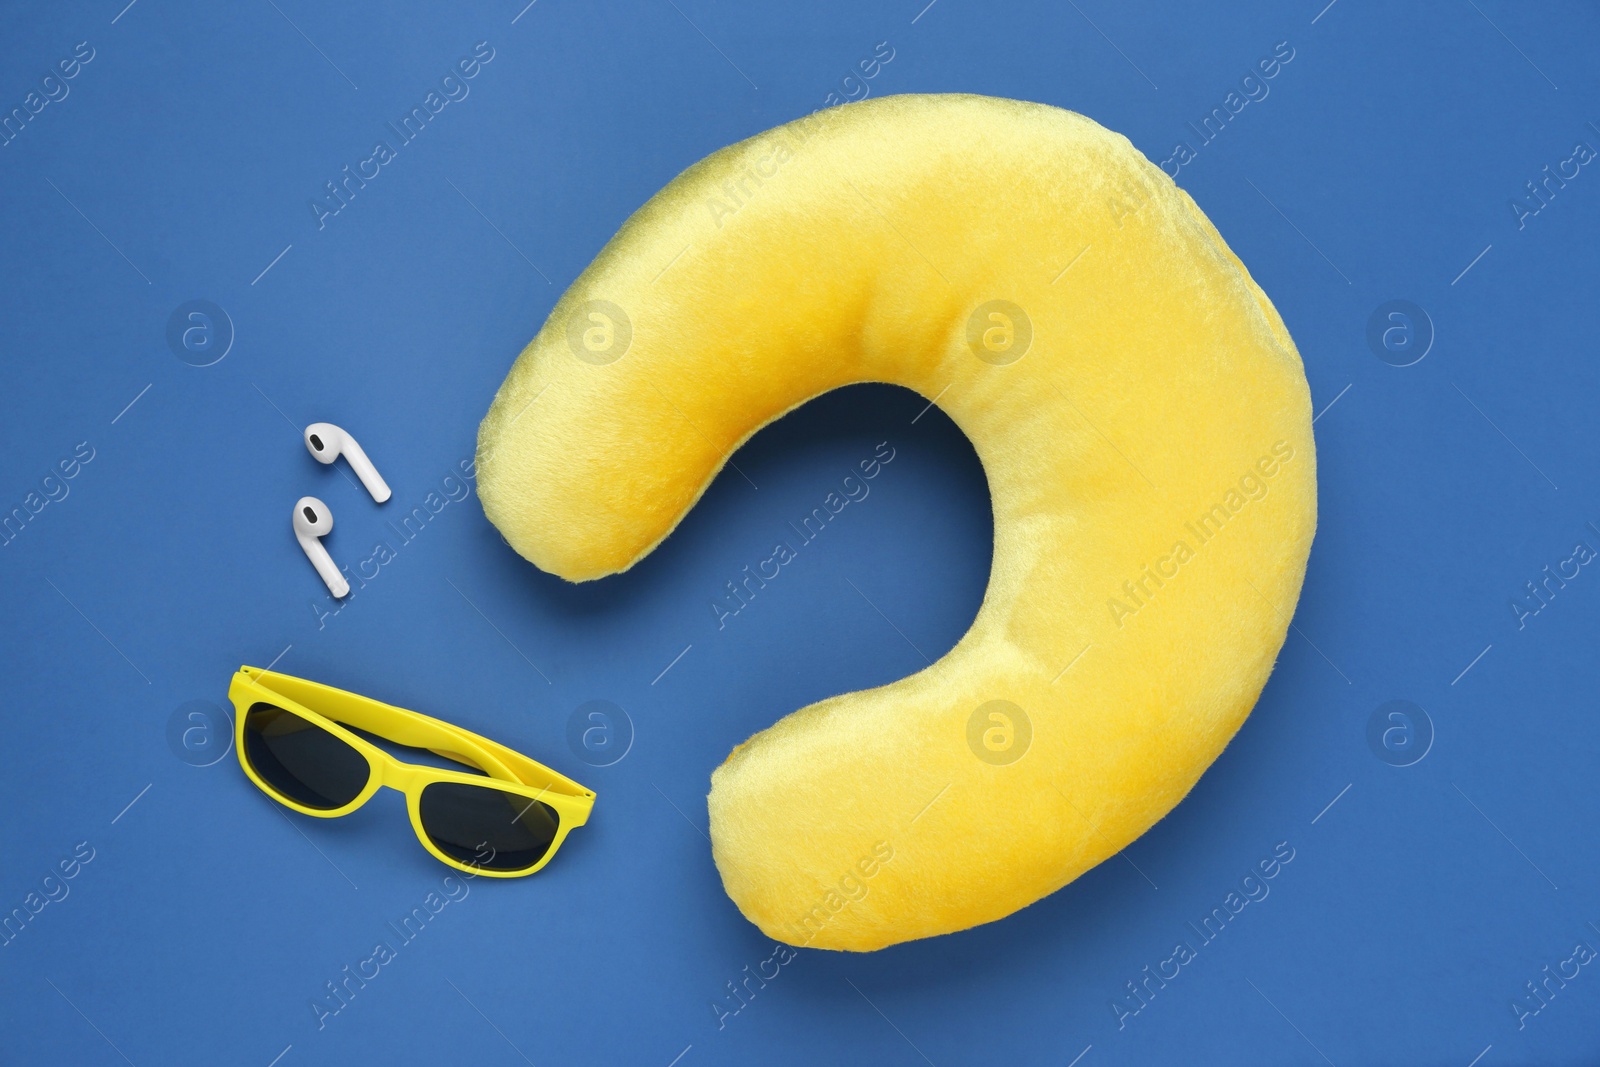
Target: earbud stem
<point>327,570</point>
<point>365,470</point>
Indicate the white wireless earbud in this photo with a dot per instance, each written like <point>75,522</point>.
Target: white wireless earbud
<point>327,442</point>
<point>312,520</point>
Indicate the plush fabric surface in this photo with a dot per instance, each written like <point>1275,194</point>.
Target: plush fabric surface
<point>1149,457</point>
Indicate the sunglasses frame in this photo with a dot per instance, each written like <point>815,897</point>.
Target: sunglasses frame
<point>508,771</point>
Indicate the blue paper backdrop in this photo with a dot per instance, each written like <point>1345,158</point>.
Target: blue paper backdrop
<point>178,163</point>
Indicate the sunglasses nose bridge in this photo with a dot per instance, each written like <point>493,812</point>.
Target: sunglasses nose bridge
<point>396,775</point>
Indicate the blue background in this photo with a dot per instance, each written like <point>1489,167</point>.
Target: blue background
<point>180,167</point>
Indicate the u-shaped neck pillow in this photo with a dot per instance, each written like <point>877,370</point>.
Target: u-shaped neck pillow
<point>1138,407</point>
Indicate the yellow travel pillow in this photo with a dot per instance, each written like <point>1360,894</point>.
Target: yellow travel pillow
<point>1140,412</point>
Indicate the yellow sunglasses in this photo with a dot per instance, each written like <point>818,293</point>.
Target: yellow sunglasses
<point>504,823</point>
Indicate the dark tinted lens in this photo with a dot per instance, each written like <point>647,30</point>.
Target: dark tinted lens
<point>487,827</point>
<point>301,760</point>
